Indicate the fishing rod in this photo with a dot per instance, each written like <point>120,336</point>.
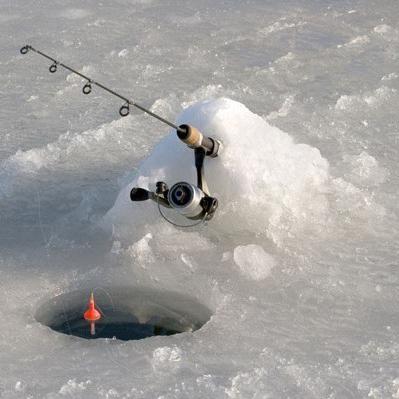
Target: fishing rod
<point>193,202</point>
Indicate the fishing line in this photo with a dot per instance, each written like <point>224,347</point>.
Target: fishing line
<point>64,313</point>
<point>202,221</point>
<point>109,297</point>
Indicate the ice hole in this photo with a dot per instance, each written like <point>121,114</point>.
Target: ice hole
<point>127,313</point>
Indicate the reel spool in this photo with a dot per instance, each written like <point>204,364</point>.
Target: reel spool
<point>185,198</point>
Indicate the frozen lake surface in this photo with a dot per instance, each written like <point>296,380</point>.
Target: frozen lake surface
<point>299,267</point>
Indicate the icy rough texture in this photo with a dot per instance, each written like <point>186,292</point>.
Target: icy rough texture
<point>253,261</point>
<point>166,358</point>
<point>365,170</point>
<point>305,96</point>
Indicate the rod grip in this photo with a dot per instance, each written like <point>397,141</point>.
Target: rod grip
<point>190,136</point>
<point>195,139</point>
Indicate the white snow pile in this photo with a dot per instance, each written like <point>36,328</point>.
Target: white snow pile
<point>265,182</point>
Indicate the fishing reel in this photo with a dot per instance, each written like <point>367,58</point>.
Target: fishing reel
<point>191,201</point>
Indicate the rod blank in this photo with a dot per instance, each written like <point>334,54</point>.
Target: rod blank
<point>123,111</point>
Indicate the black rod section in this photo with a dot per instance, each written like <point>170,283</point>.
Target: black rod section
<point>27,47</point>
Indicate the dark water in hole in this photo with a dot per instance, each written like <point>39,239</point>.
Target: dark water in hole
<point>120,325</point>
<point>128,313</point>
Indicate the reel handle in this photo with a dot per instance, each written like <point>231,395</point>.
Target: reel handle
<point>195,139</point>
<point>140,194</point>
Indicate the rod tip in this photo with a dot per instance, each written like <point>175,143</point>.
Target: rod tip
<point>25,49</point>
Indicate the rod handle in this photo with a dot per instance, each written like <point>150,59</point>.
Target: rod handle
<point>195,139</point>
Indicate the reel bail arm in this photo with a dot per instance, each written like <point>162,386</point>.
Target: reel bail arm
<point>200,154</point>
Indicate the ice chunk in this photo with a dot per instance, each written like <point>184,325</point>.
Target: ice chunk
<point>248,384</point>
<point>72,387</point>
<point>254,263</point>
<point>75,13</point>
<point>386,32</point>
<point>372,99</point>
<point>123,53</point>
<point>166,357</point>
<point>358,41</point>
<point>365,170</point>
<point>141,250</point>
<point>284,109</point>
<point>20,386</point>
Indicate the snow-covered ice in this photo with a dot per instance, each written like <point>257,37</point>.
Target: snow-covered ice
<point>299,267</point>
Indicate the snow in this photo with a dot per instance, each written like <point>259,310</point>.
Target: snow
<point>299,267</point>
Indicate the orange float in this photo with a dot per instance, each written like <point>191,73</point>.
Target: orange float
<point>92,314</point>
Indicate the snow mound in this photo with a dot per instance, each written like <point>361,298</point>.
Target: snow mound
<point>264,181</point>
